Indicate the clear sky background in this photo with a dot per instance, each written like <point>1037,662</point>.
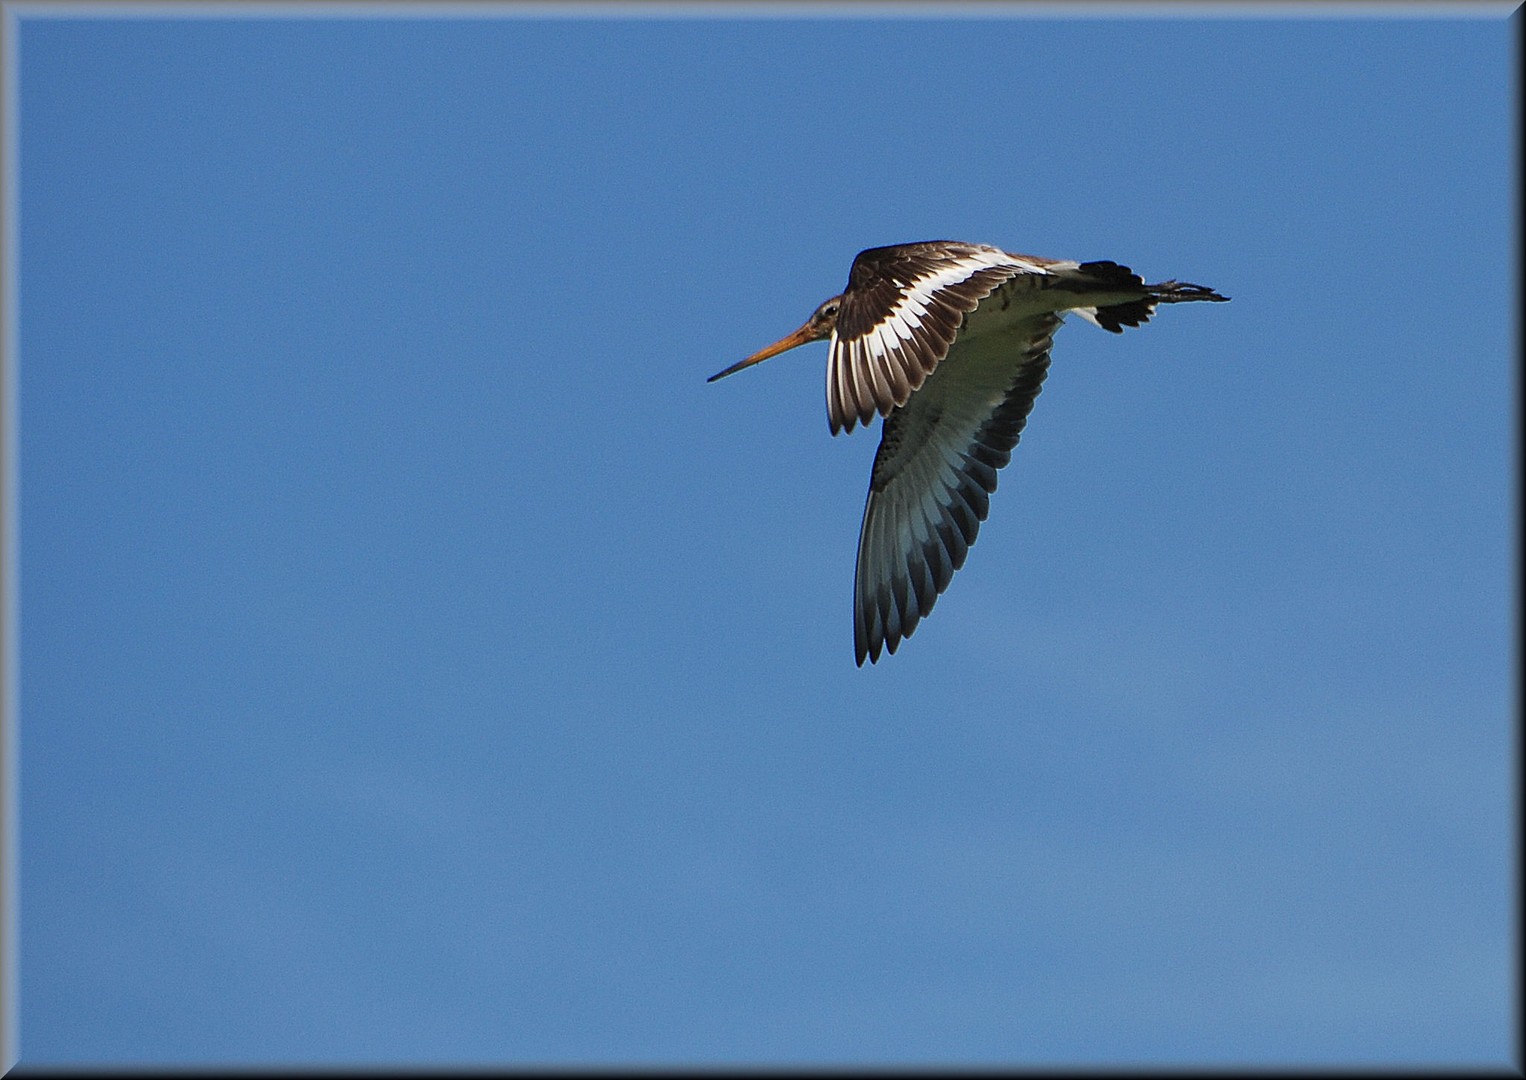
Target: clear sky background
<point>422,664</point>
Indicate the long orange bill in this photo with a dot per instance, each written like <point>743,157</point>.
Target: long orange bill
<point>799,337</point>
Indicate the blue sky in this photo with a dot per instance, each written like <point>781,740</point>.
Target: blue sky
<point>420,663</point>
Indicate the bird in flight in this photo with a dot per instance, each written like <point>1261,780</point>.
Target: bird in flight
<point>949,342</point>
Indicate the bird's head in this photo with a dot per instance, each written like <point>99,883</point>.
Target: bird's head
<point>819,325</point>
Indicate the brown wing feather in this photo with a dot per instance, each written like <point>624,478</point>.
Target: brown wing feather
<point>899,317</point>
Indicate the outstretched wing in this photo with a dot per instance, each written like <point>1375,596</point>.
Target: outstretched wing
<point>934,474</point>
<point>899,317</point>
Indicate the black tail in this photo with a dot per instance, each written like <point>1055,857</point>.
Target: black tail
<point>1138,312</point>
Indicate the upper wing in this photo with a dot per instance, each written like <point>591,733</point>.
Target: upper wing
<point>934,474</point>
<point>899,316</point>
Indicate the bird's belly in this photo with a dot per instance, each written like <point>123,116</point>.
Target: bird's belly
<point>1016,302</point>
